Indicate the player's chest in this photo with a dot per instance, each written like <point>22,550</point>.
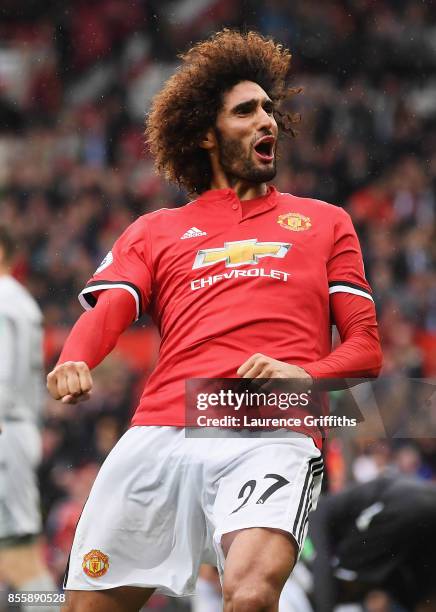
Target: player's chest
<point>281,245</point>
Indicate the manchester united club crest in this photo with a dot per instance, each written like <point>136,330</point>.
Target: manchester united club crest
<point>294,222</point>
<point>95,564</point>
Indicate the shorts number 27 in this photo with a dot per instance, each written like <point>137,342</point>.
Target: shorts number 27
<point>250,485</point>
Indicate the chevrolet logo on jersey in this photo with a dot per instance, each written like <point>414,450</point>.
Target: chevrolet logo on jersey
<point>241,252</point>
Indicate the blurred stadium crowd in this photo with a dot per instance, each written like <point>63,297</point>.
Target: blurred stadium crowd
<point>75,82</point>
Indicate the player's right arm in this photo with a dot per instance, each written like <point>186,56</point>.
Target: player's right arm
<point>92,338</point>
<point>117,294</point>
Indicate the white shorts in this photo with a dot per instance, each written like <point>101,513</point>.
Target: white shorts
<point>20,454</point>
<point>161,503</point>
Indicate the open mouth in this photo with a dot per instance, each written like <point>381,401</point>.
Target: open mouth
<point>264,148</point>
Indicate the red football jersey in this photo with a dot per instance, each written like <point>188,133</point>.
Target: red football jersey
<point>224,278</point>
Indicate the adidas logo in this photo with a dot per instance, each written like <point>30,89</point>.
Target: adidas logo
<point>193,233</point>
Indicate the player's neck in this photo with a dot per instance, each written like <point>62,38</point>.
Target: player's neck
<point>244,190</point>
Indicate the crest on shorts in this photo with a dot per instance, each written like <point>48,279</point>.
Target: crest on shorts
<point>95,564</point>
<point>295,222</point>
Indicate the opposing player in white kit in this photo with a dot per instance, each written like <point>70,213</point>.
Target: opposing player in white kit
<point>240,269</point>
<point>21,563</point>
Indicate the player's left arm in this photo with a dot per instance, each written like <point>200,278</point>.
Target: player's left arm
<point>352,310</point>
<point>359,354</point>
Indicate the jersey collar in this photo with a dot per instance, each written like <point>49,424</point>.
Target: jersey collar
<point>243,209</point>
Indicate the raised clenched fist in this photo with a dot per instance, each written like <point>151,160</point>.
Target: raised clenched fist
<point>71,382</point>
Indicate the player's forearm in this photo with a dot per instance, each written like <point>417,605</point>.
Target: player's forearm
<point>97,331</point>
<point>359,355</point>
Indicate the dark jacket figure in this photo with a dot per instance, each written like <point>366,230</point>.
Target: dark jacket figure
<point>381,534</point>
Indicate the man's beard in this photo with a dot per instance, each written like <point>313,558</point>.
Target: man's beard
<point>238,166</point>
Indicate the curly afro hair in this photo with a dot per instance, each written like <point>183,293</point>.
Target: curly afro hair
<point>188,104</point>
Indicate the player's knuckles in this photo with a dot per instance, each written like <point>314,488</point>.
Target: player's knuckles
<point>62,383</point>
<point>70,367</point>
<point>59,373</point>
<point>63,366</point>
<point>82,366</point>
<point>85,380</point>
<point>73,386</point>
<point>257,358</point>
<point>85,389</point>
